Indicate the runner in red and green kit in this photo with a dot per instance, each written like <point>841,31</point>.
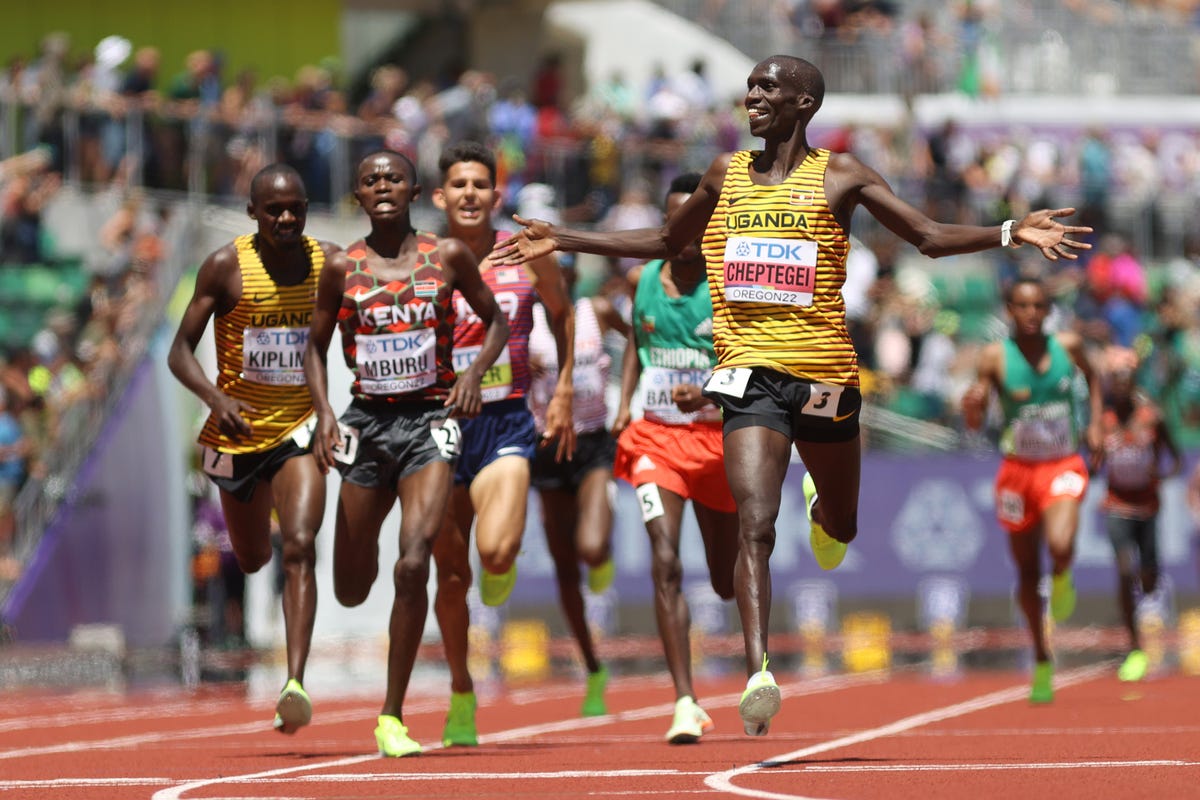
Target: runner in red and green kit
<point>675,452</point>
<point>1042,479</point>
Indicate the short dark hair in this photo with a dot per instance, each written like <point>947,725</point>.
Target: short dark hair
<point>686,183</point>
<point>269,173</point>
<point>412,168</point>
<point>1026,280</point>
<point>464,152</point>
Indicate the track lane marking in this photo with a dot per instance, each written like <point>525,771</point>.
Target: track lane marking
<point>574,723</point>
<point>723,781</point>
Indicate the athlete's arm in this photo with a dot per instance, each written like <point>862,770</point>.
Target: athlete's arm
<point>540,238</point>
<point>631,372</point>
<point>330,286</point>
<point>217,291</point>
<point>466,396</point>
<point>607,315</point>
<point>1073,343</point>
<point>850,183</point>
<point>560,312</point>
<point>987,376</point>
<point>1166,441</point>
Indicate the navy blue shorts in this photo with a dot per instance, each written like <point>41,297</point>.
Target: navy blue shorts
<point>503,428</point>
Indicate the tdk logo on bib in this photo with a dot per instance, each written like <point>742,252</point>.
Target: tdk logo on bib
<point>778,271</point>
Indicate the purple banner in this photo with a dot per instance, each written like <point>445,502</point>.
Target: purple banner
<point>919,516</point>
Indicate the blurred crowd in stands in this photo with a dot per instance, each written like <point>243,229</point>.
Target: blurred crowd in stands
<point>112,121</point>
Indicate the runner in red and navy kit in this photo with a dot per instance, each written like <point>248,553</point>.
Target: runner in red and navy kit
<point>492,480</point>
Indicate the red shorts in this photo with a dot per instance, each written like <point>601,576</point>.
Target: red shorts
<point>688,460</point>
<point>1025,489</point>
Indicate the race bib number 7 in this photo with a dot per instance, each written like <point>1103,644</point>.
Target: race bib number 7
<point>732,382</point>
<point>216,463</point>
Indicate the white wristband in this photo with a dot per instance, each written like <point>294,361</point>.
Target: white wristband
<point>1006,237</point>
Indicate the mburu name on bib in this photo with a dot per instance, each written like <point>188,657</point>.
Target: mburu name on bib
<point>274,356</point>
<point>396,363</point>
<point>761,270</point>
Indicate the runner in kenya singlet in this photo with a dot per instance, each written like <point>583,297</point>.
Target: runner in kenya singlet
<point>260,351</point>
<point>397,336</point>
<point>776,260</point>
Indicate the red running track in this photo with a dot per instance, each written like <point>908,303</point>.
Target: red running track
<point>853,737</point>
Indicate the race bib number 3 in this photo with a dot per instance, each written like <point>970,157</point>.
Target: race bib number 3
<point>779,271</point>
<point>823,400</point>
<point>274,356</point>
<point>732,382</point>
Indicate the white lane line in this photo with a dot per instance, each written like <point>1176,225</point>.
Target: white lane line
<point>723,781</point>
<point>825,684</point>
<point>1130,730</point>
<point>998,767</point>
<point>427,705</point>
<point>340,777</point>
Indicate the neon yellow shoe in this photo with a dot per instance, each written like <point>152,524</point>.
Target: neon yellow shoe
<point>495,589</point>
<point>760,702</point>
<point>593,701</point>
<point>294,709</point>
<point>1042,690</point>
<point>1062,596</point>
<point>828,551</point>
<point>1135,666</point>
<point>601,577</point>
<point>460,721</point>
<point>393,739</point>
<point>689,723</point>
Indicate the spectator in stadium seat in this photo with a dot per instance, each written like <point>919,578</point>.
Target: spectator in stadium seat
<point>14,448</point>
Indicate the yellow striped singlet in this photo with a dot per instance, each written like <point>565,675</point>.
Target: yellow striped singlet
<point>776,260</point>
<point>260,351</point>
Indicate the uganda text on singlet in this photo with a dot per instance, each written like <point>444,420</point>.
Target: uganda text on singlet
<point>776,259</point>
<point>260,351</point>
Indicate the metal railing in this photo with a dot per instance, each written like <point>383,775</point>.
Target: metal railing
<point>80,425</point>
